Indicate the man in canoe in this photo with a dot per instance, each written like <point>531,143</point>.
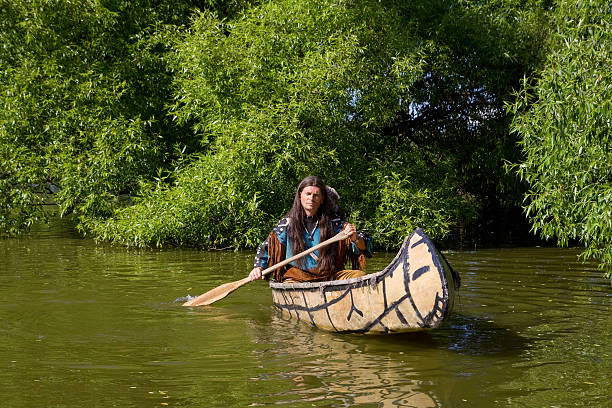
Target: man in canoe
<point>313,218</point>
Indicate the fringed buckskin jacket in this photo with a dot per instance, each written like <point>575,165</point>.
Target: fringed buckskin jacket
<point>277,247</point>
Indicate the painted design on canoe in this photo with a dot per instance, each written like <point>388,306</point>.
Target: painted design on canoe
<point>414,292</point>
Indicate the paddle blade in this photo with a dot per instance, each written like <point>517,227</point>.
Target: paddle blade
<point>217,293</point>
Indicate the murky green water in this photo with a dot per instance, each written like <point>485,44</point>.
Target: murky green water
<point>92,326</point>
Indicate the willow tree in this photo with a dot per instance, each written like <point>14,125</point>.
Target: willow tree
<point>398,106</point>
<point>83,90</point>
<point>564,120</point>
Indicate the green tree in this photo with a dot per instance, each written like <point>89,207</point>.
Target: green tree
<point>400,107</point>
<point>84,87</point>
<point>563,118</point>
<point>205,115</point>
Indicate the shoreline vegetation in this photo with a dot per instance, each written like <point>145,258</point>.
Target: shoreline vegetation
<point>186,123</point>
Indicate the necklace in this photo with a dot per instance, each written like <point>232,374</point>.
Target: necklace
<point>311,234</point>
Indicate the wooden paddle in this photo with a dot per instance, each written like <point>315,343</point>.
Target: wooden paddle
<point>222,291</point>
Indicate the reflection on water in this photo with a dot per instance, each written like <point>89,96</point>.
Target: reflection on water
<point>92,325</point>
<point>427,369</point>
<point>339,369</point>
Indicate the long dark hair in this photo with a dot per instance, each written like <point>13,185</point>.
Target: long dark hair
<point>327,255</point>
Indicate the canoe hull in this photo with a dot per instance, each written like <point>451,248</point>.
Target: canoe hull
<point>414,292</point>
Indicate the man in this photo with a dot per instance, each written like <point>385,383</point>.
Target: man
<point>313,218</point>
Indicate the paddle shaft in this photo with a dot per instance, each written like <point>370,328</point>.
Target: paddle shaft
<point>338,237</point>
<point>222,291</point>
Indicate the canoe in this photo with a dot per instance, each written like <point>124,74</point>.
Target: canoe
<point>415,292</point>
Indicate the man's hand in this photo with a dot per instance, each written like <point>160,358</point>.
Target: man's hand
<point>351,231</point>
<point>256,273</point>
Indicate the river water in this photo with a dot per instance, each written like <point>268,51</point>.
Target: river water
<point>86,325</point>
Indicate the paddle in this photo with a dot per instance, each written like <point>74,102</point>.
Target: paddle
<point>222,291</point>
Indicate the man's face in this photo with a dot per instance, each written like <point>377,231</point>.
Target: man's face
<point>311,198</point>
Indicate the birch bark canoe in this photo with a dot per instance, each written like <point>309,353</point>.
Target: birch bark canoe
<point>415,292</point>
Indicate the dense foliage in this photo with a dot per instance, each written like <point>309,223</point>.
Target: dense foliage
<point>563,119</point>
<point>190,123</point>
<point>383,100</point>
<point>84,88</point>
